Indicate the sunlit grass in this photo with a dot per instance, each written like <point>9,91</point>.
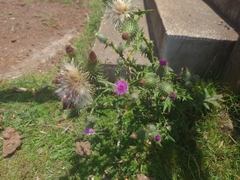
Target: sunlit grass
<point>48,133</point>
<point>204,151</point>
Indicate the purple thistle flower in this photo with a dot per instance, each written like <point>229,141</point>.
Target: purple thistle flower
<point>172,96</point>
<point>163,62</point>
<point>89,131</point>
<point>121,87</point>
<point>158,138</point>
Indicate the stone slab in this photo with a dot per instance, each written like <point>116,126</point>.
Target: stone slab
<point>229,9</point>
<point>231,74</point>
<point>188,33</point>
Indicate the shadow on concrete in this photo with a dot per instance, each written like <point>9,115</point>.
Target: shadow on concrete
<point>223,16</point>
<point>151,32</point>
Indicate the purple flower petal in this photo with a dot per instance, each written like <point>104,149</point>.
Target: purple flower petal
<point>89,131</point>
<point>157,137</point>
<point>163,62</point>
<point>121,87</point>
<point>172,96</point>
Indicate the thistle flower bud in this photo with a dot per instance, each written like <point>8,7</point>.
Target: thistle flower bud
<point>158,138</point>
<point>92,58</point>
<point>166,87</point>
<point>151,128</point>
<point>134,97</point>
<point>120,48</point>
<point>172,96</point>
<point>131,27</point>
<point>89,131</point>
<point>120,61</point>
<point>185,74</point>
<point>70,50</point>
<point>125,36</point>
<point>150,80</point>
<point>102,38</point>
<point>142,82</point>
<point>163,62</point>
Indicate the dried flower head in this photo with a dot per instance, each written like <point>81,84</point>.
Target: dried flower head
<point>74,89</point>
<point>142,82</point>
<point>121,87</point>
<point>119,10</point>
<point>92,57</point>
<point>70,50</point>
<point>125,36</point>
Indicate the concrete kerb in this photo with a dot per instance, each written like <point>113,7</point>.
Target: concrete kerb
<point>188,33</point>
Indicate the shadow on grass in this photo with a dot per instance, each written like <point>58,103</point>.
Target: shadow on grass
<point>174,160</point>
<point>177,161</point>
<point>42,95</point>
<point>100,162</point>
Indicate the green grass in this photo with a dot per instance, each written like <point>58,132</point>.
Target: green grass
<point>203,152</point>
<point>36,115</point>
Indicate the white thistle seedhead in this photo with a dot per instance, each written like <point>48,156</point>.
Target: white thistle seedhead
<point>75,90</point>
<point>119,10</point>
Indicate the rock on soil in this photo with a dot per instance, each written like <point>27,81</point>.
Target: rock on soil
<point>11,141</point>
<point>83,148</point>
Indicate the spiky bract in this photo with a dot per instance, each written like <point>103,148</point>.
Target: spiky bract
<point>150,80</point>
<point>131,27</point>
<point>164,71</point>
<point>93,71</point>
<point>166,88</point>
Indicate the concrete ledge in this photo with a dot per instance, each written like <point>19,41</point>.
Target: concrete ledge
<point>232,69</point>
<point>190,34</point>
<point>229,8</point>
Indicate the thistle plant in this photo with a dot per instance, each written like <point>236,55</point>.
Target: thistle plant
<point>150,102</point>
<point>160,92</point>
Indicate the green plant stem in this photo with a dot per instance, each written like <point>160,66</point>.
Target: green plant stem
<point>150,54</point>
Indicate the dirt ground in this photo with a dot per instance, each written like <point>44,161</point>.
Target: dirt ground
<point>34,34</point>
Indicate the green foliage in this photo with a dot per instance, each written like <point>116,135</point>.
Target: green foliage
<point>157,102</point>
<point>183,110</point>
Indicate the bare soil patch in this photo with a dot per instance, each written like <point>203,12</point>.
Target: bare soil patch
<point>34,34</point>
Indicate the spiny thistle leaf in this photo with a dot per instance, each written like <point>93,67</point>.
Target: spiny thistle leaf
<point>93,70</point>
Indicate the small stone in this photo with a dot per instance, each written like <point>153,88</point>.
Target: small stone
<point>83,148</point>
<point>11,141</point>
<point>143,177</point>
<point>133,136</point>
<point>40,151</point>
